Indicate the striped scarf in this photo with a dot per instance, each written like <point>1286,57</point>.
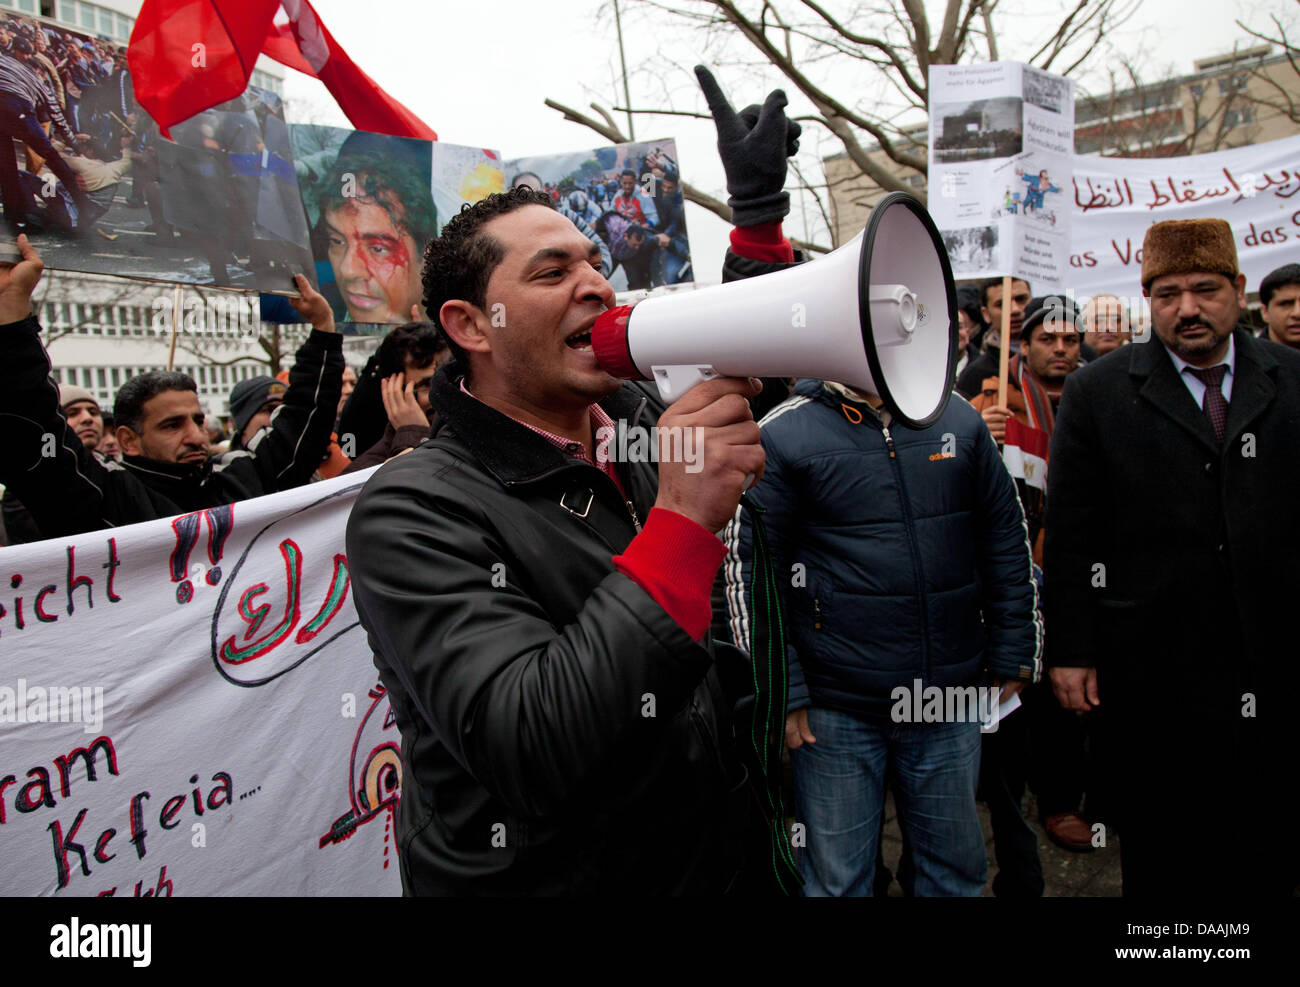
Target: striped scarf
<point>1038,406</point>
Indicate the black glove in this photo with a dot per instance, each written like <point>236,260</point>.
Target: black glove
<point>753,145</point>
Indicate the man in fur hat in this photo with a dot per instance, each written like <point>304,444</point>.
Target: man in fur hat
<point>1172,543</point>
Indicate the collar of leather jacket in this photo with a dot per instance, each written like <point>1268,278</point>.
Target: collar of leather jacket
<point>510,451</point>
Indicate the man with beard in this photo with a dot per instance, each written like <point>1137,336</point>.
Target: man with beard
<point>1173,614</point>
<point>1049,350</point>
<point>166,469</point>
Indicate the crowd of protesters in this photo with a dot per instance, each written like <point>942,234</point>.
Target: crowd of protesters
<point>918,570</point>
<point>66,99</point>
<point>636,215</point>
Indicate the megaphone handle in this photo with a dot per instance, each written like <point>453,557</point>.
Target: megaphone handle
<point>673,382</point>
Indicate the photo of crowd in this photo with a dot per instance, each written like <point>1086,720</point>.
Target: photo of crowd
<point>626,198</point>
<point>98,189</point>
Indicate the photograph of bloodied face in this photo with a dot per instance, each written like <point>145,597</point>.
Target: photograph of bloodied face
<point>97,188</point>
<point>627,198</point>
<point>369,202</point>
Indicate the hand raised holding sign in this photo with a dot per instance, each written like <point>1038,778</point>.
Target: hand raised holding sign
<point>17,281</point>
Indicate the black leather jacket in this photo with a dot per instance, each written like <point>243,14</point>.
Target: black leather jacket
<point>521,666</point>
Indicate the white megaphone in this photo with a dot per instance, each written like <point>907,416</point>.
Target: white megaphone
<point>879,315</point>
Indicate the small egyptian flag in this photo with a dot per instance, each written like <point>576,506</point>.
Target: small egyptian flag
<point>1025,453</point>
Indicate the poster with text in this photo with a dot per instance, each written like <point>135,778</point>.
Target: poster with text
<point>627,199</point>
<point>1001,151</point>
<point>94,185</point>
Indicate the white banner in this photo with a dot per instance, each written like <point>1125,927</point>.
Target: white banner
<point>189,707</point>
<point>1001,149</point>
<point>1116,199</point>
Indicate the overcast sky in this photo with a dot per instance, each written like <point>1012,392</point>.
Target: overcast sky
<point>477,73</point>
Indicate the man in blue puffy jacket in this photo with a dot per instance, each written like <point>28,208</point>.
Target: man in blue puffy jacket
<point>905,563</point>
<point>905,560</point>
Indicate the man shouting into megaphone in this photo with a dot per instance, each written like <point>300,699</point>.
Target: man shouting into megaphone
<point>538,612</point>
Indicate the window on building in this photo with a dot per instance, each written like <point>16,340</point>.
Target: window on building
<point>1234,83</point>
<point>57,375</point>
<point>115,375</point>
<point>1236,118</point>
<point>101,378</point>
<point>225,375</point>
<point>86,16</point>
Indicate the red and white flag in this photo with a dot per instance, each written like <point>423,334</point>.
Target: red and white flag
<point>1025,452</point>
<point>186,56</point>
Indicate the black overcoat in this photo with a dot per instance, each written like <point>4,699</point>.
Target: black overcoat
<point>1172,565</point>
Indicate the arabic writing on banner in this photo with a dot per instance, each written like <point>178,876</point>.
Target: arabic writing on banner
<point>1115,200</point>
<point>189,707</point>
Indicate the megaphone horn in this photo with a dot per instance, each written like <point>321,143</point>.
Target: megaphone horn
<point>879,315</point>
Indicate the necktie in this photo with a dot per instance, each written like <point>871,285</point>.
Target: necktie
<point>1214,405</point>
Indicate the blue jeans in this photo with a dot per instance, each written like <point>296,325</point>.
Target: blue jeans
<point>840,797</point>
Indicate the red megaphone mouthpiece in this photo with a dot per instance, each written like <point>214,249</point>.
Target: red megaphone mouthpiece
<point>609,343</point>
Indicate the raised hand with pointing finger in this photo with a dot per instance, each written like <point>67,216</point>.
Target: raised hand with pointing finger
<point>754,145</point>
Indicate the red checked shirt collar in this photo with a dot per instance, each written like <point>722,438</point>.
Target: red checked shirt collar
<point>599,419</point>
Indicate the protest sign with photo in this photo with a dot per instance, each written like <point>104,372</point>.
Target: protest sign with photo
<point>373,202</point>
<point>1001,145</point>
<point>628,199</point>
<point>98,189</point>
<point>189,707</point>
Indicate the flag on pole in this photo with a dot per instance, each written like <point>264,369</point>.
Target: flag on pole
<point>186,56</point>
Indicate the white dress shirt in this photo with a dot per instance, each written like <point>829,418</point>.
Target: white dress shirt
<point>1193,382</point>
